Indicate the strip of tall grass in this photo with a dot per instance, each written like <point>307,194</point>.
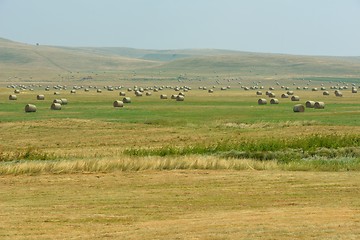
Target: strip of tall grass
<point>195,162</point>
<point>131,164</point>
<point>306,143</point>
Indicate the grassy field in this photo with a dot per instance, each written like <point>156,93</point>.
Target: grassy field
<point>179,204</point>
<point>215,166</point>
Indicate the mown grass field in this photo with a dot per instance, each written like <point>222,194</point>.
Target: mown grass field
<point>215,166</point>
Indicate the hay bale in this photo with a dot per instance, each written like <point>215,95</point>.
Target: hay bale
<point>12,97</point>
<point>118,103</point>
<point>354,90</point>
<point>122,94</point>
<point>314,89</point>
<point>299,108</point>
<point>57,101</point>
<point>290,93</point>
<point>16,91</point>
<point>274,101</point>
<point>163,96</point>
<point>56,106</point>
<point>295,98</point>
<point>64,101</point>
<point>30,108</point>
<point>338,93</point>
<point>127,100</point>
<point>272,95</point>
<point>180,98</point>
<point>284,95</point>
<point>326,93</point>
<point>148,93</point>
<point>262,101</point>
<point>319,105</point>
<point>56,93</point>
<point>98,90</point>
<point>40,97</point>
<point>86,90</point>
<point>259,93</point>
<point>138,93</point>
<point>73,91</point>
<point>210,90</point>
<point>174,96</point>
<point>310,104</point>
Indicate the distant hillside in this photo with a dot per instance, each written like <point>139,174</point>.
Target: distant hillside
<point>18,59</point>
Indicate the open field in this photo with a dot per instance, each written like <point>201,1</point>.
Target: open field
<point>181,205</point>
<point>214,166</point>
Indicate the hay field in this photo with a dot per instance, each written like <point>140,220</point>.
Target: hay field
<point>215,166</point>
<point>178,204</point>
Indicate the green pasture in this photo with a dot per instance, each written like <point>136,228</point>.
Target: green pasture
<point>200,107</point>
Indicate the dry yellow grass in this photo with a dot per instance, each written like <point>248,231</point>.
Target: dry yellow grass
<point>181,205</point>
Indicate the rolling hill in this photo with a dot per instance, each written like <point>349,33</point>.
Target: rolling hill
<point>49,62</point>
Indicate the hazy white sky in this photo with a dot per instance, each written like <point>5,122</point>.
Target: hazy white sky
<point>315,27</point>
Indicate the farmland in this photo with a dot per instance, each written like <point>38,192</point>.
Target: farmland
<point>165,169</point>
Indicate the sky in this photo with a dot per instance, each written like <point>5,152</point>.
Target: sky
<point>305,27</point>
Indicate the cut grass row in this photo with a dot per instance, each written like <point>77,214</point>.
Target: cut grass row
<point>194,162</point>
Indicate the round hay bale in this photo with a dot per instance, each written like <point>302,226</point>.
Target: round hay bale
<point>64,101</point>
<point>118,103</point>
<point>98,90</point>
<point>40,97</point>
<point>57,101</point>
<point>262,101</point>
<point>354,90</point>
<point>163,96</point>
<point>314,89</point>
<point>73,91</point>
<point>319,105</point>
<point>284,95</point>
<point>56,106</point>
<point>30,108</point>
<point>12,97</point>
<point>326,93</point>
<point>290,93</point>
<point>267,93</point>
<point>338,93</point>
<point>259,93</point>
<point>295,98</point>
<point>56,93</point>
<point>16,91</point>
<point>299,108</point>
<point>126,100</point>
<point>138,93</point>
<point>272,95</point>
<point>274,101</point>
<point>86,90</point>
<point>310,104</point>
<point>210,90</point>
<point>174,96</point>
<point>122,94</point>
<point>180,98</point>
<point>148,93</point>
